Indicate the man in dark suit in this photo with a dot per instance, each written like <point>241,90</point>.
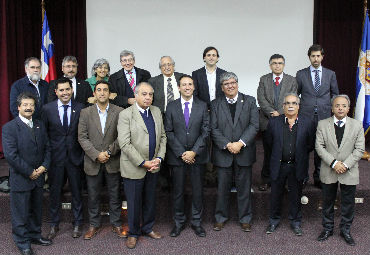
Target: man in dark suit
<point>316,86</point>
<point>291,139</point>
<point>165,84</point>
<point>61,121</point>
<point>30,83</point>
<point>26,148</point>
<point>270,95</point>
<point>123,82</point>
<point>207,78</point>
<point>97,135</point>
<point>81,89</point>
<point>234,125</point>
<point>187,130</point>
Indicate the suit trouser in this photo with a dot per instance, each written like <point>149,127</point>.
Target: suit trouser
<point>265,173</point>
<point>94,184</point>
<point>26,214</point>
<point>140,194</point>
<point>196,172</point>
<point>316,157</point>
<point>287,171</point>
<point>243,181</point>
<point>347,205</point>
<point>56,181</point>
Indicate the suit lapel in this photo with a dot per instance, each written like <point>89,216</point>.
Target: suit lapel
<point>309,78</point>
<point>78,89</point>
<point>347,130</point>
<point>110,116</point>
<point>55,114</point>
<point>138,76</point>
<point>225,108</point>
<point>73,113</point>
<point>324,78</point>
<point>95,116</point>
<point>239,107</point>
<point>283,86</point>
<point>194,112</point>
<point>139,119</point>
<point>332,132</point>
<point>26,128</point>
<point>205,81</point>
<point>271,93</point>
<point>180,114</point>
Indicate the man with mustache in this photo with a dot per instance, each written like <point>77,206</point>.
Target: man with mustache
<point>30,83</point>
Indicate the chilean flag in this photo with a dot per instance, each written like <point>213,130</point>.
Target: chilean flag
<point>48,68</point>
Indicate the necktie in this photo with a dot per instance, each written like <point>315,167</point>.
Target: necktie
<point>277,81</point>
<point>65,118</point>
<point>132,82</point>
<point>186,114</point>
<point>339,123</point>
<point>30,124</point>
<point>317,80</point>
<point>231,101</point>
<point>170,96</point>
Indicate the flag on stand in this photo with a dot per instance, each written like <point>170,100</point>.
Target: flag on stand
<point>362,110</point>
<point>48,68</point>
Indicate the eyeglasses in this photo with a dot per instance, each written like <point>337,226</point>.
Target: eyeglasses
<point>129,60</point>
<point>290,103</point>
<point>227,84</point>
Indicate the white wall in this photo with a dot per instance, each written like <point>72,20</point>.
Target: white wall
<point>246,33</point>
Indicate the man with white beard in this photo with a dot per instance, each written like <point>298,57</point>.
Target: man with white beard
<point>30,83</point>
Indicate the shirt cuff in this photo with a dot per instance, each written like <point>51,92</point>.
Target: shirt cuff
<point>332,165</point>
<point>345,165</point>
<point>160,159</point>
<point>240,140</point>
<point>142,163</point>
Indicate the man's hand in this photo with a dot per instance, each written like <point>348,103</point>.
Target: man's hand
<point>103,157</point>
<point>112,96</point>
<point>188,157</point>
<point>131,101</point>
<point>34,175</point>
<point>340,168</point>
<point>91,100</point>
<point>274,114</point>
<point>235,147</point>
<point>152,164</point>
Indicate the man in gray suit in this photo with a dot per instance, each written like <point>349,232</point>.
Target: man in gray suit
<point>234,125</point>
<point>165,84</point>
<point>187,129</point>
<point>97,134</point>
<point>340,143</point>
<point>270,95</point>
<point>316,86</point>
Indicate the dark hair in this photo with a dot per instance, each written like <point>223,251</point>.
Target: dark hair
<point>209,49</point>
<point>184,76</point>
<point>62,80</point>
<point>315,47</point>
<point>25,95</point>
<point>275,56</point>
<point>102,82</point>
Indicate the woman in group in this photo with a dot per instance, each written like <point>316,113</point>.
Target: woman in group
<point>99,71</point>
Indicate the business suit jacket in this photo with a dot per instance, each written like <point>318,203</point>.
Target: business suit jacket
<point>304,144</point>
<point>224,130</point>
<point>64,145</point>
<point>349,152</point>
<point>157,83</point>
<point>193,138</point>
<point>25,150</point>
<point>119,84</point>
<point>309,97</point>
<point>24,85</point>
<point>133,138</point>
<point>201,84</point>
<point>83,92</point>
<point>93,141</point>
<point>266,96</point>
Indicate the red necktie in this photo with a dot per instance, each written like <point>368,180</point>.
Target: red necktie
<point>277,81</point>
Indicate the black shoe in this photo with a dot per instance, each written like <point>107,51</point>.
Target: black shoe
<point>297,230</point>
<point>271,228</point>
<point>41,241</point>
<point>348,238</point>
<point>176,231</point>
<point>27,251</point>
<point>324,235</point>
<point>199,230</point>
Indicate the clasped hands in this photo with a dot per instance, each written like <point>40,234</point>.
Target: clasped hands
<point>152,164</point>
<point>188,157</point>
<point>340,168</point>
<point>234,147</point>
<point>37,172</point>
<point>103,157</point>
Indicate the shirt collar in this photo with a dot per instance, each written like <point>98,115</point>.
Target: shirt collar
<point>286,120</point>
<point>281,76</point>
<point>172,77</point>
<point>60,104</point>
<point>72,79</point>
<point>132,70</point>
<point>343,120</point>
<point>141,109</point>
<point>106,109</point>
<point>235,98</point>
<point>214,72</point>
<point>183,101</point>
<point>313,69</point>
<point>25,120</point>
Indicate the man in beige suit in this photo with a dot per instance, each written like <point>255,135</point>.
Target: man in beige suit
<point>340,143</point>
<point>97,134</point>
<point>142,140</point>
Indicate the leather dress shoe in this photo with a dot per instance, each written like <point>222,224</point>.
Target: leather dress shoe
<point>76,233</point>
<point>271,228</point>
<point>218,226</point>
<point>91,232</point>
<point>119,231</point>
<point>297,230</point>
<point>176,231</point>
<point>199,230</point>
<point>246,227</point>
<point>41,241</point>
<point>154,235</point>
<point>348,238</point>
<point>131,242</point>
<point>264,187</point>
<point>324,235</point>
<point>53,232</point>
<point>27,252</point>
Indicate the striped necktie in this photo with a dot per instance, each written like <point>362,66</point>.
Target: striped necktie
<point>317,80</point>
<point>170,95</point>
<point>132,82</point>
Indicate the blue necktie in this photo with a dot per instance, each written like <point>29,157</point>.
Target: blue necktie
<point>186,114</point>
<point>339,123</point>
<point>317,80</point>
<point>65,118</point>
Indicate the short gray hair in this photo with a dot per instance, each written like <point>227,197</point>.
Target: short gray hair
<point>342,95</point>
<point>139,86</point>
<point>98,63</point>
<point>227,76</point>
<point>173,62</point>
<point>69,59</point>
<point>28,60</point>
<point>126,53</point>
<point>294,95</point>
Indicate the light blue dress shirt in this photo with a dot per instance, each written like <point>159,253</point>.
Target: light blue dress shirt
<point>61,111</point>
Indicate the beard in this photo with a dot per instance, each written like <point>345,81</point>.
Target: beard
<point>35,77</point>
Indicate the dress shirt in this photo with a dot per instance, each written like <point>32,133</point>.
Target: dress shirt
<point>176,93</point>
<point>312,69</point>
<point>211,78</point>
<point>103,117</point>
<point>189,105</point>
<point>289,141</point>
<point>274,77</point>
<point>36,85</point>
<point>235,100</point>
<point>142,110</point>
<point>341,125</point>
<point>128,75</point>
<point>61,111</point>
<point>28,122</point>
<point>74,86</point>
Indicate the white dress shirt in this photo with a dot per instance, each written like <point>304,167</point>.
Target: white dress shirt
<point>312,69</point>
<point>190,105</point>
<point>176,93</point>
<point>128,75</point>
<point>211,78</point>
<point>274,77</point>
<point>103,117</point>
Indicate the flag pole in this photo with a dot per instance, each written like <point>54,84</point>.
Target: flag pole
<point>43,10</point>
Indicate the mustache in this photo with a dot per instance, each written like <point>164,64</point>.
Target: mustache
<point>28,110</point>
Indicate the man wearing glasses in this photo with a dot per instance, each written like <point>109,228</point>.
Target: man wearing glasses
<point>270,95</point>
<point>291,138</point>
